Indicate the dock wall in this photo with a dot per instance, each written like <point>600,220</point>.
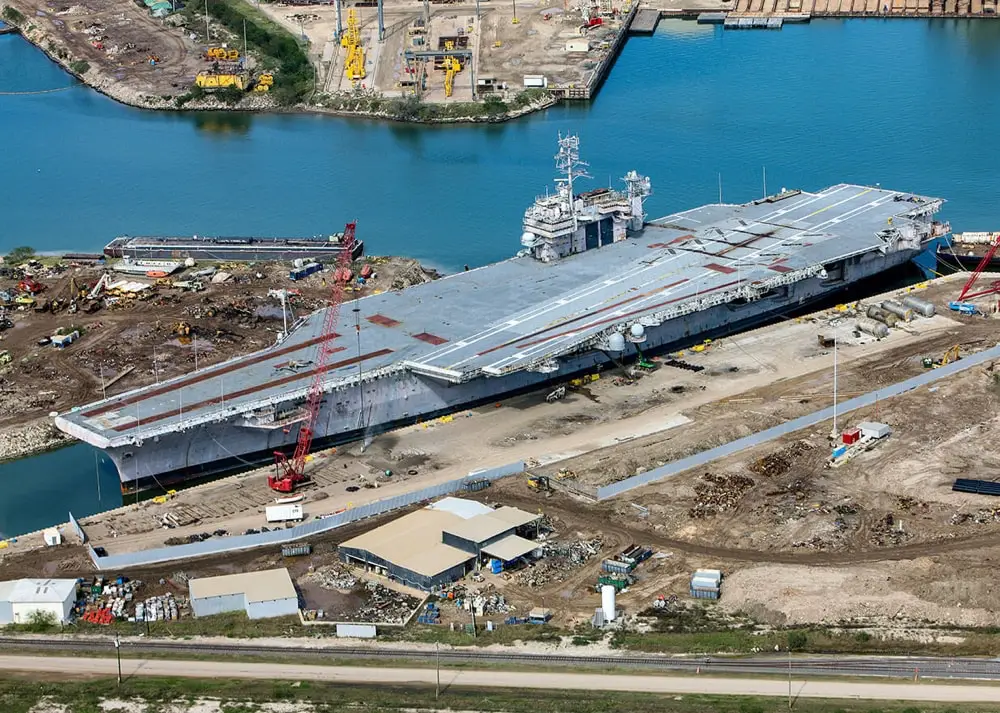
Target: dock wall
<point>597,76</point>
<point>237,543</point>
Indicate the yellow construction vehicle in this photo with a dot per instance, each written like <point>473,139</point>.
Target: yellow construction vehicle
<point>24,300</point>
<point>207,80</point>
<point>953,354</point>
<point>451,67</point>
<point>539,483</point>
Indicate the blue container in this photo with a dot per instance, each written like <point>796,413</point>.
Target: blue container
<point>496,566</point>
<point>839,451</point>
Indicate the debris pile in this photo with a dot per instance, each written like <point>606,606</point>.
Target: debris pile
<point>718,493</point>
<point>980,517</point>
<point>384,605</point>
<point>779,462</point>
<point>888,531</point>
<point>557,558</point>
<point>331,577</point>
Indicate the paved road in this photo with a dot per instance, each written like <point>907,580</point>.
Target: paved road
<point>899,667</point>
<point>506,679</point>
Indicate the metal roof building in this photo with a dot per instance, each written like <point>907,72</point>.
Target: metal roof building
<point>20,598</point>
<point>441,543</point>
<point>261,595</point>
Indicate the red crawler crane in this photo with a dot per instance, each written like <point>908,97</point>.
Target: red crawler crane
<point>967,292</point>
<point>289,473</point>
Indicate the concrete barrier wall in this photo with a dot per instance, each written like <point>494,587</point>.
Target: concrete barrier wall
<point>274,537</point>
<point>77,528</point>
<point>797,424</point>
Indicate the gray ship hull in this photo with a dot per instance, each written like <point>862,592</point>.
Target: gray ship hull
<point>402,399</point>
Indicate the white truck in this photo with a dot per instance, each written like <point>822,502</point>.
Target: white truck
<point>284,513</point>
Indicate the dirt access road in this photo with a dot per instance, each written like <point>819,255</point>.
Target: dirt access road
<point>705,685</point>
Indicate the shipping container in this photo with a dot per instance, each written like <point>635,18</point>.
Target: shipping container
<point>538,81</point>
<point>306,270</point>
<point>705,593</point>
<point>714,574</point>
<point>852,435</point>
<point>873,429</point>
<point>295,550</point>
<point>283,513</point>
<point>839,451</point>
<point>703,583</point>
<point>616,566</point>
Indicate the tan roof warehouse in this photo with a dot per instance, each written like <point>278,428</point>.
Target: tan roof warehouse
<point>263,594</point>
<point>440,544</point>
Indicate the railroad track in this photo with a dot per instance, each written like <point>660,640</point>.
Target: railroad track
<point>904,667</point>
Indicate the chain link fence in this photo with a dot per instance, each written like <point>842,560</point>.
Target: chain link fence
<point>236,543</point>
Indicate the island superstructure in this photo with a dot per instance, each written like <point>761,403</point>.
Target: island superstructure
<point>594,283</point>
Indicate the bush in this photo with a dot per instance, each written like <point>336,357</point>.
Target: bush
<point>40,621</point>
<point>797,640</point>
<point>20,254</point>
<point>80,67</point>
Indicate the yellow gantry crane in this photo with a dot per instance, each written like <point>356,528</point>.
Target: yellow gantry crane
<point>451,67</point>
<point>354,65</point>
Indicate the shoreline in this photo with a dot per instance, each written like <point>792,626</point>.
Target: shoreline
<point>94,78</point>
<point>24,440</point>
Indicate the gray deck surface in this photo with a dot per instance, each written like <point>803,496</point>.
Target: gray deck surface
<point>505,315</point>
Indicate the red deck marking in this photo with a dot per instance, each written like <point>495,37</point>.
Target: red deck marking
<point>616,305</point>
<point>720,268</point>
<point>430,338</point>
<point>208,374</point>
<point>383,321</point>
<point>254,389</point>
<point>681,239</point>
<point>657,245</point>
<point>780,268</point>
<point>644,310</point>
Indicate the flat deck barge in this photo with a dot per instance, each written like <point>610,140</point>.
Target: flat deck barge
<point>222,249</point>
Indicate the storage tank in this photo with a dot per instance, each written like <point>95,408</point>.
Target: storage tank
<point>921,307</point>
<point>898,310</point>
<point>877,313</point>
<point>870,326</point>
<point>608,602</point>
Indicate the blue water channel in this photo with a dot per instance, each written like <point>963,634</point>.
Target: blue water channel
<point>908,104</point>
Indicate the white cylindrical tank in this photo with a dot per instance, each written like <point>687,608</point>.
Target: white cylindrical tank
<point>608,602</point>
<point>870,326</point>
<point>616,342</point>
<point>898,310</point>
<point>298,262</point>
<point>189,262</point>
<point>918,305</point>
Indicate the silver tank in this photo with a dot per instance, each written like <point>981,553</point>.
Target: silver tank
<point>897,309</point>
<point>922,307</point>
<point>877,313</point>
<point>870,326</point>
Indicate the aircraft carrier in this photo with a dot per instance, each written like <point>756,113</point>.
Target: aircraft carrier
<point>593,283</point>
<point>244,249</point>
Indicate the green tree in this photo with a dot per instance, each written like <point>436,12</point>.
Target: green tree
<point>20,254</point>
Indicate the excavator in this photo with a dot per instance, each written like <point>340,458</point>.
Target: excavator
<point>953,354</point>
<point>451,67</point>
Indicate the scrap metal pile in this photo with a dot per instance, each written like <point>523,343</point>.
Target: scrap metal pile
<point>557,558</point>
<point>718,493</point>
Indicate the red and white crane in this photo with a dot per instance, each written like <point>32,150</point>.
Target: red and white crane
<point>967,292</point>
<point>290,472</point>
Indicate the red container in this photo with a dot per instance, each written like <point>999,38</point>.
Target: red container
<point>852,436</point>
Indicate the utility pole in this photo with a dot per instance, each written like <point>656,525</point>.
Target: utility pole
<point>789,678</point>
<point>118,651</point>
<point>437,662</point>
<point>208,35</point>
<point>835,383</point>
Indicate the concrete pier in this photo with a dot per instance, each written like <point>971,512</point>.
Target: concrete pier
<point>863,8</point>
<point>645,22</point>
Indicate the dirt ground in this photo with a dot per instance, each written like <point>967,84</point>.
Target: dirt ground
<point>881,540</point>
<point>130,343</point>
<point>117,39</point>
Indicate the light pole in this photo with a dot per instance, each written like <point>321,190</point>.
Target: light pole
<point>437,664</point>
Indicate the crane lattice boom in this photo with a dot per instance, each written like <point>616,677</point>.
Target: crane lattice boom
<point>291,472</point>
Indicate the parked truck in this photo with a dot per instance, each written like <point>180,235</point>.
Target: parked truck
<point>284,513</point>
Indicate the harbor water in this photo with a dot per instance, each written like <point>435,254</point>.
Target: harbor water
<point>865,101</point>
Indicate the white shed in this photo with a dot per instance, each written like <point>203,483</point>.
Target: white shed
<point>20,598</point>
<point>261,595</point>
<point>873,429</point>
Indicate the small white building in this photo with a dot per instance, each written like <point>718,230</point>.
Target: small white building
<point>873,429</point>
<point>20,598</point>
<point>261,595</point>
